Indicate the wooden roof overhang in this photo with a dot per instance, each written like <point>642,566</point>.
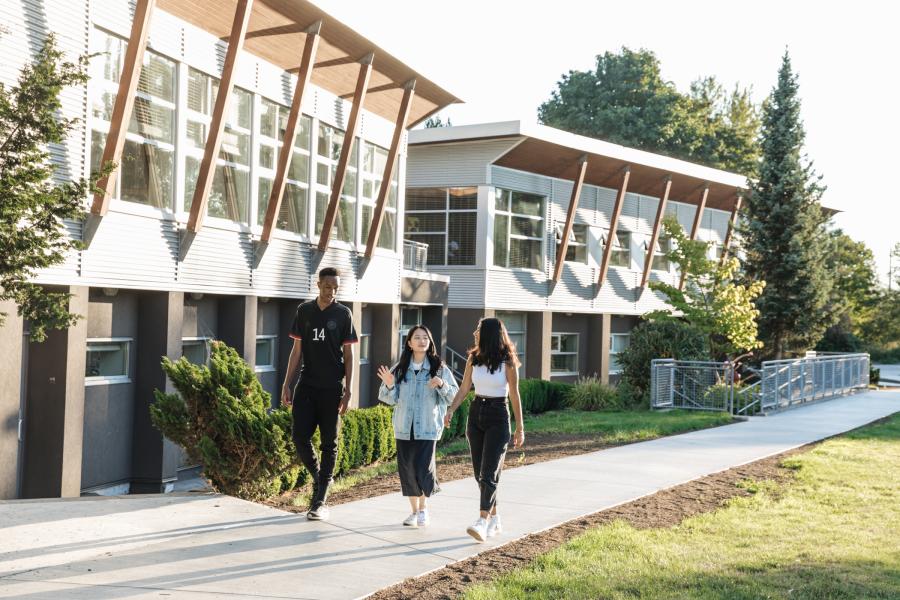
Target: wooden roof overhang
<point>554,160</point>
<point>276,33</point>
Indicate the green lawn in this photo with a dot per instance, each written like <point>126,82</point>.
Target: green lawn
<point>834,532</point>
<point>624,426</point>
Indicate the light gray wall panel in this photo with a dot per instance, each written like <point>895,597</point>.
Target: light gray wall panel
<point>516,288</point>
<point>576,288</point>
<point>380,280</point>
<point>618,291</point>
<point>218,261</point>
<point>453,164</point>
<point>466,286</point>
<point>606,201</point>
<point>284,270</point>
<point>521,181</point>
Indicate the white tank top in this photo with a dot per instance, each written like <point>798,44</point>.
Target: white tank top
<point>490,385</point>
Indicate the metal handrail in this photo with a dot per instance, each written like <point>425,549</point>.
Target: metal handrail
<point>454,358</point>
<point>415,255</point>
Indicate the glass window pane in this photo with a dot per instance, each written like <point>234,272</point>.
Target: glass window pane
<point>157,77</point>
<point>299,168</point>
<point>201,92</point>
<point>195,351</point>
<point>501,199</point>
<point>388,236</point>
<point>152,121</point>
<point>191,172</point>
<point>268,119</point>
<point>436,246</point>
<point>146,175</point>
<point>301,140</point>
<point>568,343</point>
<point>106,359</point>
<point>265,190</point>
<point>321,206</point>
<point>102,106</point>
<point>241,107</point>
<point>463,198</point>
<point>293,211</point>
<point>563,363</point>
<point>527,227</point>
<point>235,147</point>
<point>410,317</point>
<point>265,352</point>
<point>113,50</point>
<point>514,321</point>
<point>525,253</point>
<point>501,239</point>
<point>426,199</point>
<point>349,188</point>
<point>98,142</point>
<point>229,194</point>
<point>554,343</point>
<point>426,222</point>
<point>619,342</point>
<point>346,220</point>
<point>324,172</point>
<point>461,238</point>
<point>196,134</point>
<point>267,156</point>
<point>527,204</point>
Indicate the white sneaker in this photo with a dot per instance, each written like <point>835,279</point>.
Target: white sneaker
<point>411,521</point>
<point>478,530</point>
<point>494,527</point>
<point>318,512</point>
<point>423,518</point>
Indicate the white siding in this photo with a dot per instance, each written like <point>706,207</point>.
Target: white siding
<point>283,270</point>
<point>453,164</point>
<point>467,286</point>
<point>218,260</point>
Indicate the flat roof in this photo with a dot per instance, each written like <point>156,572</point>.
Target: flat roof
<point>276,34</point>
<point>556,153</point>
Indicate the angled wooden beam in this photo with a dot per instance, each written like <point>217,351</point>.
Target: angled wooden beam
<point>731,225</point>
<point>386,178</point>
<point>698,216</point>
<point>613,223</point>
<point>287,145</point>
<point>217,124</point>
<point>657,225</point>
<point>570,218</point>
<point>124,104</point>
<point>337,186</point>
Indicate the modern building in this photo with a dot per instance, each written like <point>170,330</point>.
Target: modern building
<point>494,204</point>
<point>228,120</point>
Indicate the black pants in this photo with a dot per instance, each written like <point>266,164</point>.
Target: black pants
<point>317,407</point>
<point>488,433</point>
<point>416,466</point>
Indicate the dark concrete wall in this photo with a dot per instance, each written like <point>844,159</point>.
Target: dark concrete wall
<point>461,322</point>
<point>201,317</point>
<point>423,291</point>
<point>55,408</point>
<point>10,394</point>
<point>109,408</point>
<point>286,311</point>
<point>237,325</point>
<point>160,325</point>
<point>598,346</point>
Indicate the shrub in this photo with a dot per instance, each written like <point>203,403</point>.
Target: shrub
<point>656,339</point>
<point>874,376</point>
<point>589,393</point>
<point>457,427</point>
<point>220,416</point>
<point>539,395</point>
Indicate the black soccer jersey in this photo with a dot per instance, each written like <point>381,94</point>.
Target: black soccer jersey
<point>323,334</point>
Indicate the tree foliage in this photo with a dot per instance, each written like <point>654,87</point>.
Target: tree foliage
<point>712,300</point>
<point>33,205</point>
<point>625,100</point>
<point>784,239</point>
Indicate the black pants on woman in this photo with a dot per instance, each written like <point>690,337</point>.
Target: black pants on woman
<point>488,433</point>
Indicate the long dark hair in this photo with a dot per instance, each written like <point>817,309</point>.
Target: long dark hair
<point>494,346</point>
<point>434,361</point>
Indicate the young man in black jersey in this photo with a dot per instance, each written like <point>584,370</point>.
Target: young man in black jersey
<point>324,335</point>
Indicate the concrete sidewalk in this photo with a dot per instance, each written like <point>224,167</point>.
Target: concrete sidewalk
<point>210,546</point>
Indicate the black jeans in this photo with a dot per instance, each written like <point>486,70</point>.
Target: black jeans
<point>488,433</point>
<point>317,407</point>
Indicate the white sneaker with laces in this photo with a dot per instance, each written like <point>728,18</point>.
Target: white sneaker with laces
<point>494,527</point>
<point>478,530</point>
<point>423,518</point>
<point>411,521</point>
<point>319,512</point>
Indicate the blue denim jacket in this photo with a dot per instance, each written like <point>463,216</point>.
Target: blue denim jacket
<point>417,403</point>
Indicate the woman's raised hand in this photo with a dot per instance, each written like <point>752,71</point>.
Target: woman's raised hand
<point>386,376</point>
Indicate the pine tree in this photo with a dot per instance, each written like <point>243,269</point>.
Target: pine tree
<point>784,236</point>
<point>32,205</point>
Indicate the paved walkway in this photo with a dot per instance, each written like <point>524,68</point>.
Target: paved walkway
<point>208,546</point>
<point>890,374</point>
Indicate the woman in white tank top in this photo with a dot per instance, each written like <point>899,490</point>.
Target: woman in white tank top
<point>493,369</point>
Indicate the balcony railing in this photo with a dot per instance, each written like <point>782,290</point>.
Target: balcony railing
<point>415,256</point>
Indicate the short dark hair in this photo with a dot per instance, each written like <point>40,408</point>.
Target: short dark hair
<point>329,272</point>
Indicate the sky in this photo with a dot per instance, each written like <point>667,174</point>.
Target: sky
<point>504,58</point>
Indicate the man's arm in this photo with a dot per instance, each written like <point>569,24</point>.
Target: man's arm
<point>348,378</point>
<point>293,366</point>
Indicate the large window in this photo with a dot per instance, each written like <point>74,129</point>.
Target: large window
<point>107,361</point>
<point>147,162</point>
<point>618,342</point>
<point>364,352</point>
<point>195,349</point>
<point>229,195</point>
<point>292,214</point>
<point>517,327</point>
<point>373,161</point>
<point>621,249</point>
<point>660,261</point>
<point>518,229</point>
<point>446,220</point>
<point>564,353</point>
<point>328,152</point>
<point>266,353</point>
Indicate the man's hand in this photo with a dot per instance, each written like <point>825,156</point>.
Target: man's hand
<point>345,402</point>
<point>286,396</point>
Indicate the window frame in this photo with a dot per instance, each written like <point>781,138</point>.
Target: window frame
<point>613,354</point>
<point>325,189</point>
<point>446,212</point>
<point>659,254</point>
<point>391,202</point>
<point>510,215</point>
<point>619,248</point>
<point>92,380</point>
<point>205,340</point>
<point>272,366</point>
<point>365,341</point>
<point>576,353</point>
<point>574,244</point>
<point>520,349</point>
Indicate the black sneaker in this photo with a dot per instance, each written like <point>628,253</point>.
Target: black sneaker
<point>318,512</point>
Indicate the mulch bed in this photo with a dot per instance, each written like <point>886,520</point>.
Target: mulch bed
<point>663,509</point>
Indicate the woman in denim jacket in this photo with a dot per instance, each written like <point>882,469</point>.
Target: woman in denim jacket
<point>421,386</point>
